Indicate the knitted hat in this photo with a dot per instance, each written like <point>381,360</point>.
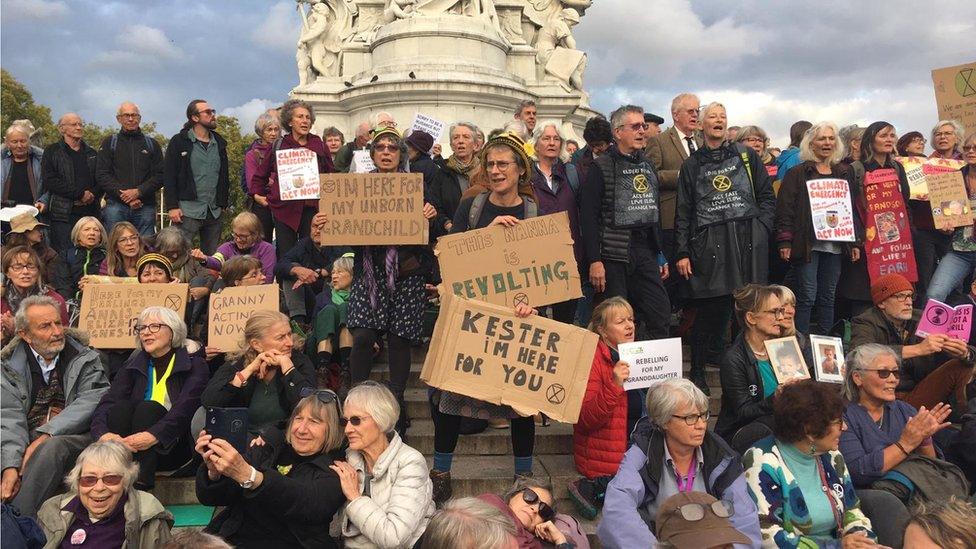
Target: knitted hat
<point>157,259</point>
<point>391,133</point>
<point>421,141</point>
<point>887,286</point>
<point>518,147</point>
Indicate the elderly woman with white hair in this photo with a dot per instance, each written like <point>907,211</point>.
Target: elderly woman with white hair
<point>960,261</point>
<point>152,398</point>
<point>268,129</point>
<point>815,263</point>
<point>385,481</point>
<point>20,169</point>
<point>673,451</point>
<point>456,173</point>
<point>102,508</point>
<point>947,138</point>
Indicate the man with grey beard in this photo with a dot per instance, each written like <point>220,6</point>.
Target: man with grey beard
<point>51,383</point>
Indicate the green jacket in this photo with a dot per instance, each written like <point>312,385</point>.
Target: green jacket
<point>147,522</point>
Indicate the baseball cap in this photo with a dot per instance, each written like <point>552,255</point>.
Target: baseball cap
<point>710,530</point>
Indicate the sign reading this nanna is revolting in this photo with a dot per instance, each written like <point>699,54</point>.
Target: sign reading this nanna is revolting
<point>367,209</point>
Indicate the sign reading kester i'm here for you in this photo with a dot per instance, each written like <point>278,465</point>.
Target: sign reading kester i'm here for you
<point>367,209</point>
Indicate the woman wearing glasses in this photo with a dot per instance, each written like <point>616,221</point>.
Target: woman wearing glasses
<point>283,493</point>
<point>102,508</point>
<point>961,259</point>
<point>124,248</point>
<point>530,506</point>
<point>673,451</point>
<point>385,481</point>
<point>245,232</point>
<point>152,398</point>
<point>21,269</point>
<point>798,478</point>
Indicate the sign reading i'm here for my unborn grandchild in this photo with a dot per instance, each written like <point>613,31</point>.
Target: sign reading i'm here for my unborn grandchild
<point>531,263</point>
<point>365,209</point>
<point>532,364</point>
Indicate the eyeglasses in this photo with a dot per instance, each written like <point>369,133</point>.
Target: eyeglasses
<point>242,236</point>
<point>693,512</point>
<point>130,115</point>
<point>88,481</point>
<point>385,148</point>
<point>500,164</point>
<point>545,510</point>
<point>128,239</point>
<point>883,373</point>
<point>777,313</point>
<point>921,140</point>
<point>153,328</point>
<point>355,420</point>
<point>754,139</point>
<point>944,134</point>
<point>692,419</point>
<point>903,296</point>
<point>969,148</point>
<point>207,111</point>
<point>325,396</point>
<point>20,267</point>
<point>253,274</point>
<point>636,126</point>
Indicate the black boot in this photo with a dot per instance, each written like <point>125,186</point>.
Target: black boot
<point>697,377</point>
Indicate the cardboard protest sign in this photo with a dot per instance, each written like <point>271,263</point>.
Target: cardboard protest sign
<point>917,187</point>
<point>362,162</point>
<point>109,311</point>
<point>231,307</point>
<point>366,209</point>
<point>298,174</point>
<point>830,206</point>
<point>651,362</point>
<point>786,359</point>
<point>949,199</point>
<point>955,94</point>
<point>939,318</point>
<point>888,238</point>
<point>532,364</point>
<point>531,263</point>
<point>429,125</point>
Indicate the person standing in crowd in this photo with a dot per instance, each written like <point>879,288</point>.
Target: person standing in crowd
<point>457,172</point>
<point>911,144</point>
<point>21,269</point>
<point>123,250</point>
<point>620,218</point>
<point>196,181</point>
<point>51,383</point>
<point>245,231</point>
<point>723,222</point>
<point>850,137</point>
<point>756,139</point>
<point>153,397</point>
<point>930,244</point>
<point>419,144</point>
<point>946,137</point>
<point>960,261</point>
<point>68,173</point>
<point>268,129</point>
<point>130,173</point>
<point>292,218</point>
<point>20,170</point>
<point>598,136</point>
<point>653,125</point>
<point>343,158</point>
<point>388,292</point>
<point>526,111</point>
<point>673,452</point>
<point>556,187</point>
<point>933,368</point>
<point>799,479</point>
<point>84,258</point>
<point>334,140</point>
<point>815,263</point>
<point>571,147</point>
<point>791,156</point>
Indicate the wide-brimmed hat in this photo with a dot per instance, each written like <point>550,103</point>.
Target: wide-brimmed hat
<point>708,531</point>
<point>24,222</point>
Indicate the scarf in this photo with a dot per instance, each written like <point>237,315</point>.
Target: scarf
<point>339,296</point>
<point>454,164</point>
<point>369,273</point>
<point>14,297</point>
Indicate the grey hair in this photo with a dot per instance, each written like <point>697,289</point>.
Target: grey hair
<point>784,293</point>
<point>957,129</point>
<point>470,523</point>
<point>540,128</point>
<point>859,360</point>
<point>194,539</point>
<point>266,119</point>
<point>111,455</point>
<point>123,104</point>
<point>288,110</point>
<point>343,264</point>
<point>377,401</point>
<point>20,317</point>
<point>18,128</point>
<point>664,399</point>
<point>749,131</point>
<point>470,125</point>
<point>680,98</point>
<point>521,483</point>
<point>169,318</point>
<point>172,239</point>
<point>847,134</point>
<point>522,105</point>
<point>517,127</point>
<point>76,230</point>
<point>617,116</point>
<point>709,107</point>
<point>375,119</point>
<point>806,144</point>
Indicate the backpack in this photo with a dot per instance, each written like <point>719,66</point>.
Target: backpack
<point>150,142</point>
<point>529,206</point>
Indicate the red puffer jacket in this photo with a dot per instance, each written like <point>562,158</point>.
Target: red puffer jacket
<point>600,435</point>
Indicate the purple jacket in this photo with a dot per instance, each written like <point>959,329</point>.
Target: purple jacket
<point>262,250</point>
<point>563,200</point>
<point>253,158</point>
<point>288,212</point>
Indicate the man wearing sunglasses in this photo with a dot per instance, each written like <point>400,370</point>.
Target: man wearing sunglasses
<point>933,368</point>
<point>195,178</point>
<point>621,224</point>
<point>51,384</point>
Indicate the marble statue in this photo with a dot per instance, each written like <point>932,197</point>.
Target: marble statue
<point>557,54</point>
<point>326,25</point>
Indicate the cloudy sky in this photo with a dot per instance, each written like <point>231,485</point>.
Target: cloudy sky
<point>770,62</point>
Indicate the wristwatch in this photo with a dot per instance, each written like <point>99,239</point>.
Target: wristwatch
<point>247,484</point>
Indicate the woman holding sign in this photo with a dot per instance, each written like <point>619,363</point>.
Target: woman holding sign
<point>815,241</point>
<point>292,217</point>
<point>961,260</point>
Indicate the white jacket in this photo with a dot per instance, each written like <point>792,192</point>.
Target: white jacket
<point>400,503</point>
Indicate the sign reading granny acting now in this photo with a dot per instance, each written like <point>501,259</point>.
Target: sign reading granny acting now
<point>230,309</point>
<point>531,263</point>
<point>109,311</point>
<point>651,362</point>
<point>532,364</point>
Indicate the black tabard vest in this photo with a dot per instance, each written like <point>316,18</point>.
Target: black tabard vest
<point>724,193</point>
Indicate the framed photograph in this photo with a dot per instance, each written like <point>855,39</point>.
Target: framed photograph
<point>828,358</point>
<point>786,358</point>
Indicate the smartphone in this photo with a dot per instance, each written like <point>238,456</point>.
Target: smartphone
<point>229,424</point>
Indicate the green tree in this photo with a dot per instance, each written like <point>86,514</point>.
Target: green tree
<point>237,143</point>
<point>16,102</point>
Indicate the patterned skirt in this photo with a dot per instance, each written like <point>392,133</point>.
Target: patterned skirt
<point>400,314</point>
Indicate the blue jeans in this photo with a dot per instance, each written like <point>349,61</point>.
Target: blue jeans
<point>952,270</point>
<point>143,218</point>
<point>815,284</point>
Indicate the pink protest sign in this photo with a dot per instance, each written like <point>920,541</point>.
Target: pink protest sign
<point>888,238</point>
<point>939,318</point>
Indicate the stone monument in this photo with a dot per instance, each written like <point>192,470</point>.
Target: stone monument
<point>452,60</point>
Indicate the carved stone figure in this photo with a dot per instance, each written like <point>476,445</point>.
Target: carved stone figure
<point>324,28</point>
<point>556,49</point>
<point>472,8</point>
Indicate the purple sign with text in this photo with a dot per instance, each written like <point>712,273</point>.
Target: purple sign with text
<point>939,318</point>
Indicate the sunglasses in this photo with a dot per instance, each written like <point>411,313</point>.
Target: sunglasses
<point>636,126</point>
<point>385,148</point>
<point>883,373</point>
<point>325,396</point>
<point>693,512</point>
<point>545,510</point>
<point>88,481</point>
<point>355,420</point>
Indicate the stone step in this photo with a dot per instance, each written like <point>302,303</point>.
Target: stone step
<point>557,438</point>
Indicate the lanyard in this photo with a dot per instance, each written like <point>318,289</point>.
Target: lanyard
<point>690,480</point>
<point>156,390</point>
<point>838,520</point>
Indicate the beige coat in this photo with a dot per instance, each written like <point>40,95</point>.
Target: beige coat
<point>667,154</point>
<point>147,522</point>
